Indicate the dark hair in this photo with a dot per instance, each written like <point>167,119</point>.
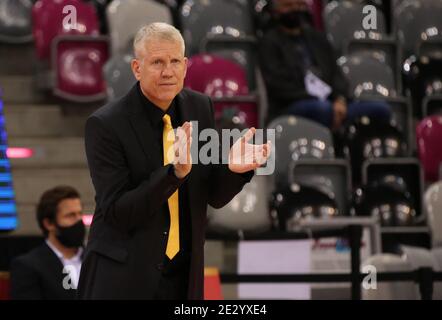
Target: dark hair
<point>47,206</point>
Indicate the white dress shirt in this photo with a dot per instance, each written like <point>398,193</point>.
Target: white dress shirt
<point>72,265</point>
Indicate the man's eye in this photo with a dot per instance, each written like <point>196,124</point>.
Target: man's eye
<point>175,61</point>
<point>157,62</point>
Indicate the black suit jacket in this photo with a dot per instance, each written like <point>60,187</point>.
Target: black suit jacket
<point>128,236</point>
<point>38,275</point>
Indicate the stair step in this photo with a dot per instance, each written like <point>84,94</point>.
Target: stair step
<point>33,120</point>
<point>21,59</point>
<point>29,184</point>
<point>20,89</point>
<point>66,152</point>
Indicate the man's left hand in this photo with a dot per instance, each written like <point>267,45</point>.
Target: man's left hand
<point>244,156</point>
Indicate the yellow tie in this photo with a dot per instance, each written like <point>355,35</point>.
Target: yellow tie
<point>173,241</point>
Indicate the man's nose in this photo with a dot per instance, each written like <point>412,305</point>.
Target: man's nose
<point>167,71</point>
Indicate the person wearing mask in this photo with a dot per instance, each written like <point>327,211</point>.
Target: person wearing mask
<point>301,74</point>
<point>51,271</point>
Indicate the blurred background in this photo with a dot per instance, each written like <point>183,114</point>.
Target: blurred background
<point>377,164</point>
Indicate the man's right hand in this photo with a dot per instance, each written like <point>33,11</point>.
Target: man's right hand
<point>182,147</point>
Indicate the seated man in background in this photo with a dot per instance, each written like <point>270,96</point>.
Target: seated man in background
<point>51,271</point>
<point>300,71</point>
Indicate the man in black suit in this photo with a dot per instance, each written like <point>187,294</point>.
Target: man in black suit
<point>147,236</point>
<point>291,55</point>
<point>51,271</point>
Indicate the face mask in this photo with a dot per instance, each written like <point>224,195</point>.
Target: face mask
<point>72,236</point>
<point>294,19</point>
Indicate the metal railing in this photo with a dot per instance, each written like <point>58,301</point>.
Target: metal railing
<point>424,277</point>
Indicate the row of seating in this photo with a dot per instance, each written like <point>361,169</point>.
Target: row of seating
<point>413,20</point>
<point>222,27</point>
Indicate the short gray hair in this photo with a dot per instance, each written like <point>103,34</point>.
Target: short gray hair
<point>157,31</point>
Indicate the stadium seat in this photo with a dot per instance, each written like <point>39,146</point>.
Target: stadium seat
<point>423,77</point>
<point>422,257</point>
<point>393,205</point>
<point>298,202</point>
<point>433,207</point>
<point>387,48</point>
<point>429,141</point>
<point>200,18</point>
<point>125,17</point>
<point>366,139</point>
<point>78,68</point>
<point>246,212</point>
<point>330,176</point>
<point>417,21</point>
<point>15,21</point>
<point>401,116</point>
<point>48,22</point>
<point>401,174</point>
<point>119,76</point>
<point>398,290</point>
<point>342,20</point>
<point>369,74</point>
<point>225,82</point>
<point>295,139</point>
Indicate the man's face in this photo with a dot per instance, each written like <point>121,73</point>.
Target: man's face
<point>69,212</point>
<point>285,6</point>
<point>161,68</point>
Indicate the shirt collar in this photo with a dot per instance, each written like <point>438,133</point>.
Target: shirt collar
<point>155,113</point>
<point>60,255</point>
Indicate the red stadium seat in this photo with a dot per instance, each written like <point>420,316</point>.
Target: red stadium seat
<point>67,36</point>
<point>50,21</point>
<point>429,140</point>
<point>225,81</point>
<point>78,65</point>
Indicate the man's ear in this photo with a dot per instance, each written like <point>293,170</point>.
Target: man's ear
<point>48,224</point>
<point>136,68</point>
<point>185,66</point>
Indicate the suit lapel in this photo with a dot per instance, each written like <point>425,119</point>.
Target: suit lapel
<point>140,123</point>
<point>55,268</point>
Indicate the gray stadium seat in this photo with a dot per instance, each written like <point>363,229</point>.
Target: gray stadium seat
<point>399,290</point>
<point>118,75</point>
<point>417,21</point>
<point>298,138</point>
<point>433,207</point>
<point>202,18</point>
<point>247,212</point>
<point>330,176</point>
<point>343,22</point>
<point>422,257</point>
<point>15,21</point>
<point>369,75</point>
<point>125,17</point>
